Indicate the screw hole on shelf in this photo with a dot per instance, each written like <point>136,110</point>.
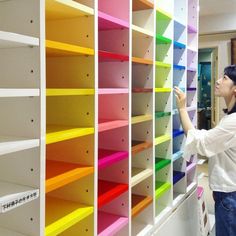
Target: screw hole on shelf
<point>148,78</point>
<point>122,140</point>
<point>122,108</point>
<point>32,120</point>
<point>122,204</point>
<point>147,159</point>
<point>87,75</point>
<point>122,171</point>
<point>31,71</point>
<point>147,105</point>
<point>87,36</point>
<point>31,169</point>
<point>123,44</point>
<point>31,219</point>
<point>148,50</point>
<point>147,132</point>
<point>31,21</point>
<point>86,230</point>
<point>87,191</point>
<point>148,187</point>
<point>166,126</point>
<point>123,77</point>
<point>87,113</point>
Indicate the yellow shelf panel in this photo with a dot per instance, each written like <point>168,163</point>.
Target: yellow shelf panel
<point>142,61</point>
<point>62,9</point>
<point>162,90</point>
<point>57,133</point>
<point>62,214</point>
<point>162,139</point>
<point>142,118</point>
<point>54,48</point>
<point>165,14</point>
<point>69,92</point>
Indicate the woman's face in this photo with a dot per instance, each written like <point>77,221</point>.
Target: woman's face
<point>225,87</point>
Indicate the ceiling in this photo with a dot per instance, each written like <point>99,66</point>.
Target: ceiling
<point>212,7</point>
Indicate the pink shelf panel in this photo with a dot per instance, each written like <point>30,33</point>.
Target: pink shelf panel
<point>105,124</point>
<point>113,91</point>
<point>200,191</point>
<point>109,157</point>
<point>107,22</point>
<point>110,56</point>
<point>110,224</point>
<point>190,167</point>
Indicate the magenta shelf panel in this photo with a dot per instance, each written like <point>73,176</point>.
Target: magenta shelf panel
<point>102,91</point>
<point>107,22</point>
<point>105,56</point>
<point>109,157</point>
<point>105,124</point>
<point>110,224</point>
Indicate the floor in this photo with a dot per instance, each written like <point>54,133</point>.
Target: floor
<point>203,181</point>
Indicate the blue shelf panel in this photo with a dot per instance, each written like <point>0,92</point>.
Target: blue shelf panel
<point>177,133</point>
<point>177,176</point>
<point>178,67</point>
<point>177,155</point>
<point>178,45</point>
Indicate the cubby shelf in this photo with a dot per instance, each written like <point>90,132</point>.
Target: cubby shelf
<point>110,224</point>
<point>162,64</point>
<point>177,155</point>
<point>160,39</point>
<point>108,22</point>
<point>160,114</point>
<point>142,61</point>
<point>102,91</point>
<point>178,45</point>
<point>179,67</point>
<point>12,40</point>
<point>192,29</point>
<point>63,214</point>
<point>139,203</point>
<point>15,144</point>
<point>177,133</point>
<point>177,176</point>
<point>19,92</point>
<point>108,191</point>
<point>14,195</point>
<point>62,9</point>
<point>69,92</point>
<point>141,31</point>
<point>161,14</point>
<point>110,157</point>
<point>161,188</point>
<point>142,90</point>
<point>139,174</point>
<point>163,90</point>
<point>140,119</point>
<point>190,167</point>
<point>105,56</point>
<point>162,139</point>
<point>161,163</point>
<point>54,48</point>
<point>57,133</point>
<point>139,146</point>
<point>105,124</point>
<point>59,174</point>
<point>139,5</point>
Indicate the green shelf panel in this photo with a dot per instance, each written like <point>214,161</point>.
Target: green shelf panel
<point>161,163</point>
<point>161,188</point>
<point>162,64</point>
<point>162,40</point>
<point>160,114</point>
<point>162,15</point>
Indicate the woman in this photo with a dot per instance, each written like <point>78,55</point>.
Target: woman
<point>219,146</point>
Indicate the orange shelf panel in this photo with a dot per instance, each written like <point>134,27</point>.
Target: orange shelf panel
<point>59,174</point>
<point>142,61</point>
<point>139,203</point>
<point>139,5</point>
<point>139,146</point>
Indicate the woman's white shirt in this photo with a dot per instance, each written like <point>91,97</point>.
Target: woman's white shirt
<point>219,145</point>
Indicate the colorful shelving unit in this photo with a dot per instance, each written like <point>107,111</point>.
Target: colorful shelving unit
<point>96,147</point>
<point>21,103</point>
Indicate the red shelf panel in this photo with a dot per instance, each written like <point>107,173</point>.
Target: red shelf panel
<point>110,56</point>
<point>142,90</point>
<point>108,191</point>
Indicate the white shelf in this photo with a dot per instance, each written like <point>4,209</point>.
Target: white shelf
<point>15,195</point>
<point>19,92</point>
<point>14,144</point>
<point>11,40</point>
<point>138,30</point>
<point>138,175</point>
<point>7,232</point>
<point>141,229</point>
<point>163,215</point>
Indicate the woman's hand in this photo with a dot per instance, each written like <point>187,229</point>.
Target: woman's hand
<point>180,98</point>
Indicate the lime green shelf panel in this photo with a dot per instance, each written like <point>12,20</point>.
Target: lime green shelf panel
<point>161,188</point>
<point>161,163</point>
<point>162,15</point>
<point>162,64</point>
<point>160,114</point>
<point>162,90</point>
<point>162,40</point>
<point>162,139</point>
<point>139,119</point>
